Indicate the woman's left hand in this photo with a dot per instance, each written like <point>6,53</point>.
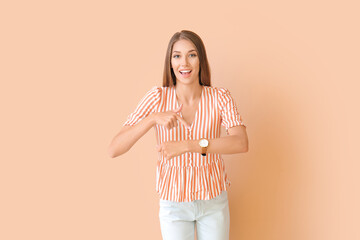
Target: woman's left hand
<point>172,149</point>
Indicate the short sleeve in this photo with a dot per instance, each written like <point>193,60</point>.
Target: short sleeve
<point>147,105</point>
<point>230,116</point>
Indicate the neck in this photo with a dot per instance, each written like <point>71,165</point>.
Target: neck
<point>187,94</point>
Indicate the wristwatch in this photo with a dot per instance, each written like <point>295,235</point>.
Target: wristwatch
<point>204,143</point>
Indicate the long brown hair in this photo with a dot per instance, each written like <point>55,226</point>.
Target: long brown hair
<point>169,78</point>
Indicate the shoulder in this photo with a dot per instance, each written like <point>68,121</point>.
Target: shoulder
<point>151,94</point>
<point>220,91</point>
<point>160,89</point>
<point>154,91</point>
<point>223,96</point>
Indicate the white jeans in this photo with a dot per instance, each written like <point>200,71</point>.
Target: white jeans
<point>212,218</point>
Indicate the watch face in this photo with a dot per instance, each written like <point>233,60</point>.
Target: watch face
<point>204,143</point>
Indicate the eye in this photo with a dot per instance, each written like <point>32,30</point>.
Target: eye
<point>175,56</point>
<point>193,54</point>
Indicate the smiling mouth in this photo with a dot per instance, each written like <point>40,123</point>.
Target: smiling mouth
<point>185,72</point>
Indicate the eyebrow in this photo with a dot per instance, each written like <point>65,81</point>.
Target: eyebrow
<point>188,51</point>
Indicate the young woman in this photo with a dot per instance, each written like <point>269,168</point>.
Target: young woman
<point>187,114</point>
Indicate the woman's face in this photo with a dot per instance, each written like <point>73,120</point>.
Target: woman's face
<point>184,58</point>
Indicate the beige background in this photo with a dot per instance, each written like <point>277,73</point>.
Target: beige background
<point>71,72</point>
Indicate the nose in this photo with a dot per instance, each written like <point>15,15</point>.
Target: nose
<point>184,61</point>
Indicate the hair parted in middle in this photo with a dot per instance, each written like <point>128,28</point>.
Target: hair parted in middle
<point>169,78</point>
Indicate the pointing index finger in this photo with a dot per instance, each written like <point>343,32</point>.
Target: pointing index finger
<point>182,121</point>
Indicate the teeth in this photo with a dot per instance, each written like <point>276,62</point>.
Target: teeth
<point>185,71</point>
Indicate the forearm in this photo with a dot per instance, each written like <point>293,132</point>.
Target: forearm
<point>223,145</point>
<point>128,136</point>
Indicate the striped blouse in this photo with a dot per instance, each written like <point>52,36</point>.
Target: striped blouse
<point>190,176</point>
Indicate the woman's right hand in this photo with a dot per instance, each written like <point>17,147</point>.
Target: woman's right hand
<point>169,119</point>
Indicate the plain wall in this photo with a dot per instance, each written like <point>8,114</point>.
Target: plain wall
<point>72,71</point>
